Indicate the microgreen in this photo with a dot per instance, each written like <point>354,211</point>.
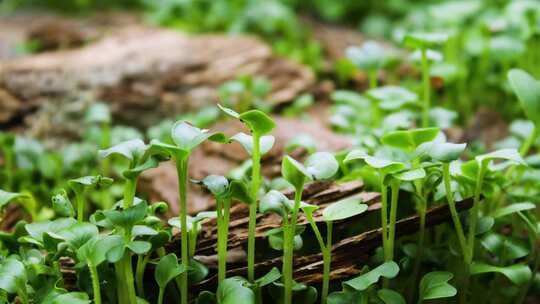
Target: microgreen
<point>434,285</point>
<point>320,165</point>
<point>257,145</point>
<point>335,212</point>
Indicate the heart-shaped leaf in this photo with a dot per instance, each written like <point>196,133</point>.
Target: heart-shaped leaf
<point>434,285</point>
<point>12,275</point>
<point>187,137</point>
<point>239,191</point>
<point>410,175</point>
<point>8,197</point>
<point>410,139</point>
<point>424,40</point>
<point>518,274</point>
<point>94,251</point>
<point>258,122</point>
<point>387,270</point>
<point>392,97</point>
<point>98,181</point>
<point>528,91</point>
<point>443,152</point>
<point>127,218</point>
<point>265,142</point>
<point>233,291</point>
<point>36,230</point>
<point>218,185</point>
<point>276,238</point>
<point>504,246</point>
<point>321,165</point>
<point>149,163</point>
<point>98,113</point>
<point>294,172</point>
<point>132,149</point>
<point>139,247</point>
<point>370,56</point>
<point>78,234</point>
<point>389,296</point>
<point>167,269</point>
<point>344,209</point>
<point>275,202</point>
<point>511,155</point>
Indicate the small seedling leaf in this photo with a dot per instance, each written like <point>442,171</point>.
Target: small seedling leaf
<point>434,285</point>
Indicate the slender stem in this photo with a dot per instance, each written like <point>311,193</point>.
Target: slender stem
<point>223,237</point>
<point>393,215</point>
<point>288,247</point>
<point>129,192</point>
<point>182,171</point>
<point>105,143</point>
<point>142,261</point>
<point>372,78</point>
<point>128,277</point>
<point>325,253</point>
<point>80,205</point>
<point>23,296</point>
<point>120,283</point>
<point>524,150</point>
<point>95,283</point>
<point>453,210</point>
<point>254,190</point>
<point>327,262</point>
<point>384,218</point>
<point>8,167</point>
<point>474,212</point>
<point>426,88</point>
<point>160,296</point>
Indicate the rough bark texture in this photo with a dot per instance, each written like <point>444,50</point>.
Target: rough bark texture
<point>145,73</point>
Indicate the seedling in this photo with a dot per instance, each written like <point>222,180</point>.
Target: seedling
<point>98,114</point>
<point>357,290</point>
<point>24,199</point>
<point>185,138</point>
<point>166,270</point>
<point>422,42</point>
<point>337,211</point>
<point>79,185</point>
<point>434,285</point>
<point>370,57</point>
<point>256,145</point>
<point>320,165</point>
<point>7,143</point>
<point>527,90</point>
<point>224,192</point>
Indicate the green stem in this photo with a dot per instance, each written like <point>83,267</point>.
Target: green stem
<point>223,237</point>
<point>529,142</point>
<point>288,247</point>
<point>453,211</point>
<point>393,217</point>
<point>23,297</point>
<point>80,206</point>
<point>182,171</point>
<point>474,212</point>
<point>384,218</point>
<point>254,190</point>
<point>8,168</point>
<point>426,89</point>
<point>327,262</point>
<point>142,261</point>
<point>95,283</point>
<point>128,278</point>
<point>160,296</point>
<point>129,192</point>
<point>372,78</point>
<point>120,283</point>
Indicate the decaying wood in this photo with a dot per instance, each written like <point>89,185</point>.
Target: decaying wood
<point>145,73</point>
<point>348,253</point>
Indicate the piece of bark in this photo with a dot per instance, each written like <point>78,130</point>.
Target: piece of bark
<point>148,73</point>
<point>347,254</point>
